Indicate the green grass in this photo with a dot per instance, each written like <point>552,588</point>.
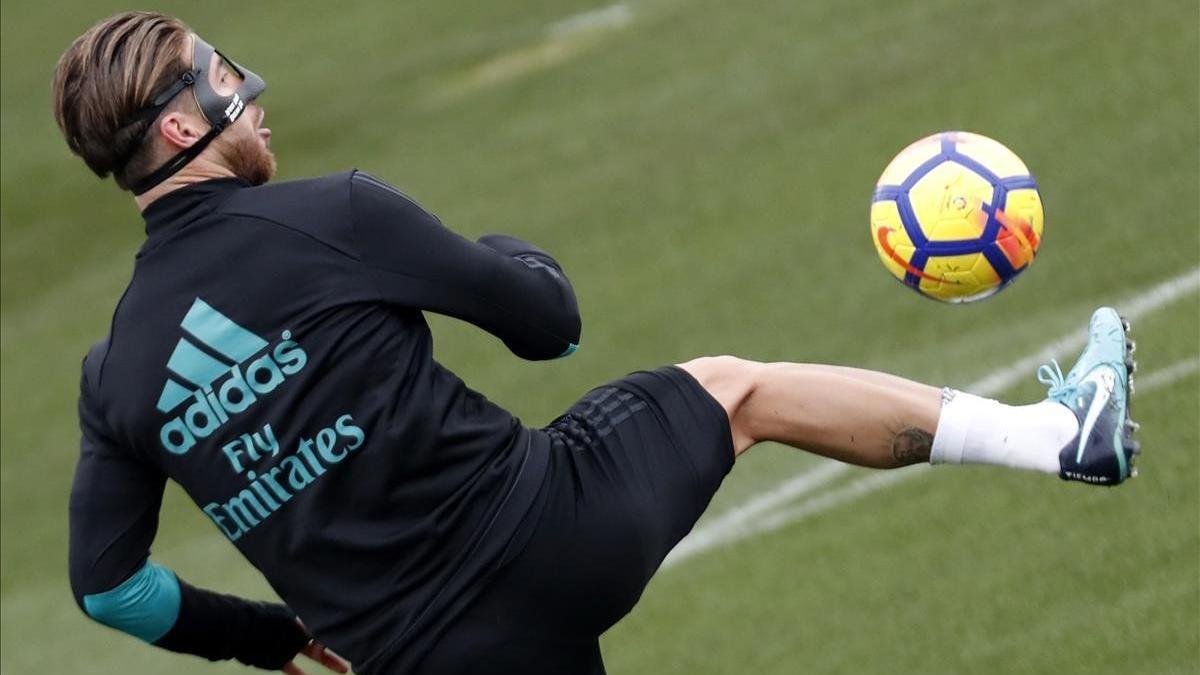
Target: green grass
<point>703,174</point>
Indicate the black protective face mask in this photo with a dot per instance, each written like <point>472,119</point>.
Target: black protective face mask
<point>220,111</point>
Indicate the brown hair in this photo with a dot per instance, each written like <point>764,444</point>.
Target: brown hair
<point>107,76</point>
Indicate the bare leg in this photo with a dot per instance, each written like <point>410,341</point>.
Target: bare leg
<point>855,416</point>
<point>872,376</point>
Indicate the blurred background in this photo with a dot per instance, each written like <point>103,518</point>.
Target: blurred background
<point>702,169</point>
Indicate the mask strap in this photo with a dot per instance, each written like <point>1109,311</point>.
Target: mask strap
<point>153,110</point>
<point>187,79</point>
<point>177,162</point>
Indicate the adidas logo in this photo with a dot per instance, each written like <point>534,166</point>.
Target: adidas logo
<point>210,366</point>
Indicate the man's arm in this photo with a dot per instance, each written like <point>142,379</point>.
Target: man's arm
<point>113,519</point>
<point>508,287</point>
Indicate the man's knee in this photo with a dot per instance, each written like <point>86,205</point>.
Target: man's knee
<point>730,380</point>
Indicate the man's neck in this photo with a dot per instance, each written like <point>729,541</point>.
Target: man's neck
<point>197,171</point>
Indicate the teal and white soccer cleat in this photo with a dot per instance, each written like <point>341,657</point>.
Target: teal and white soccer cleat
<point>1097,390</point>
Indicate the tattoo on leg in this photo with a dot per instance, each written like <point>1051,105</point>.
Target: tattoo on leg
<point>912,446</point>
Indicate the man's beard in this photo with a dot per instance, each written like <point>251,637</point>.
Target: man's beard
<point>249,159</point>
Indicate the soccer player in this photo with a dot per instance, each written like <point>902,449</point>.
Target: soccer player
<point>271,357</point>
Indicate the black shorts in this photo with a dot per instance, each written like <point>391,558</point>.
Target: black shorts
<point>632,466</point>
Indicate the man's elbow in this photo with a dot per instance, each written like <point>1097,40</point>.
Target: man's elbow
<point>567,323</point>
<point>566,326</point>
<point>558,338</point>
<point>571,330</point>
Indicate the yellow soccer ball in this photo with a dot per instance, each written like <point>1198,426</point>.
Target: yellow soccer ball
<point>956,217</point>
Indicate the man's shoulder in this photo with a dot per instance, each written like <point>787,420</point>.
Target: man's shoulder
<point>293,197</point>
<point>318,207</point>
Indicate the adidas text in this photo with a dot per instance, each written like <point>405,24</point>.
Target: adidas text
<point>213,404</point>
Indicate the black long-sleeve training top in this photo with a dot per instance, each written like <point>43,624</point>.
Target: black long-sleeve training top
<point>271,357</point>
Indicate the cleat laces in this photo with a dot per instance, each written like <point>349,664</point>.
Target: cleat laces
<point>1050,374</point>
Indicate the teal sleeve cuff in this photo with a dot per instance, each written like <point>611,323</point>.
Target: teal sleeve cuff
<point>146,605</point>
<point>571,348</point>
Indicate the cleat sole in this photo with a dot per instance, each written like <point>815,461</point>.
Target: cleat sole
<point>1132,447</point>
<point>1130,347</point>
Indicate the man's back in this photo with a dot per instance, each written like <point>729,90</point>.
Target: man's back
<point>271,357</point>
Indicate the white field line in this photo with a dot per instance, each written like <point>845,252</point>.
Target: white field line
<point>561,41</point>
<point>745,517</point>
<point>1135,308</point>
<point>761,513</point>
<point>612,16</point>
<point>838,496</point>
<point>1165,376</point>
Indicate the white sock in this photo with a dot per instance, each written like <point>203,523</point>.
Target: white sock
<point>975,430</point>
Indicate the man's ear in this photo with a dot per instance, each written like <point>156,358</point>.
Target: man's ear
<point>181,130</point>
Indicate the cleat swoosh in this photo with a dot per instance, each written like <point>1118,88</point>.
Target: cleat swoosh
<point>1103,381</point>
